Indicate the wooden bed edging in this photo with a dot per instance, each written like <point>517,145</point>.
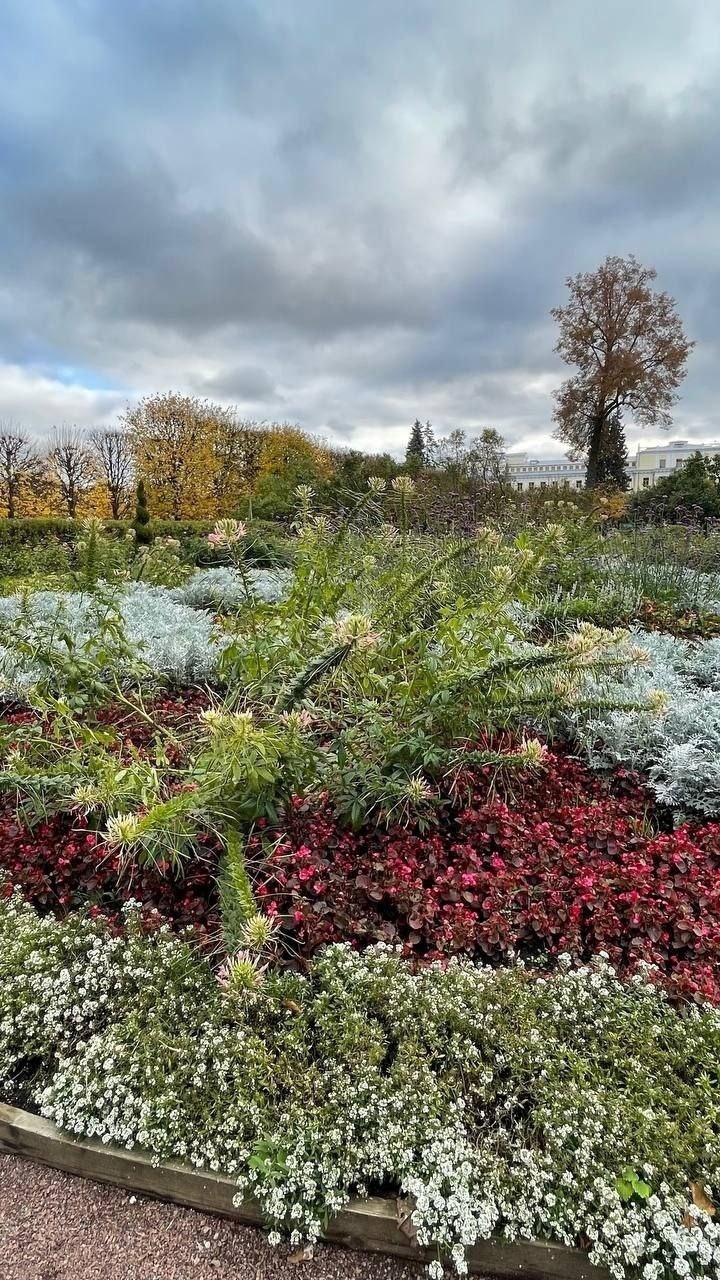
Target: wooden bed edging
<point>365,1224</point>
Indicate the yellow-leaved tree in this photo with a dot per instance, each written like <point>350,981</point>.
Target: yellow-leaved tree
<point>288,457</point>
<point>172,439</point>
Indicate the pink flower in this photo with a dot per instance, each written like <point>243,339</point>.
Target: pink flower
<point>227,533</point>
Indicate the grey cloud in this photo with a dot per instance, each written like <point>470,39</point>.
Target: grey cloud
<point>249,383</point>
<point>348,213</point>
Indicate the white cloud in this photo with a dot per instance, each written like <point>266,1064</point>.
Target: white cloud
<point>39,402</point>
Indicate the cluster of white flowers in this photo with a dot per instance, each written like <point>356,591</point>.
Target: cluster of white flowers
<point>677,744</point>
<point>498,1102</point>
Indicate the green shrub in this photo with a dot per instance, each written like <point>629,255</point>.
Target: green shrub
<point>21,560</point>
<point>32,532</point>
<point>141,524</point>
<point>46,544</point>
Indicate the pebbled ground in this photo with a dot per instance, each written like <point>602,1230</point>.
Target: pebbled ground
<point>56,1227</point>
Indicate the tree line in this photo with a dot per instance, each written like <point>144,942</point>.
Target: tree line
<point>199,460</point>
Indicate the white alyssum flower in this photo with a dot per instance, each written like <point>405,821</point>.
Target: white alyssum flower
<point>496,1101</point>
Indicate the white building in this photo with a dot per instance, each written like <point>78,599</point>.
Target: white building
<point>539,473</point>
<point>650,464</point>
<point>653,461</point>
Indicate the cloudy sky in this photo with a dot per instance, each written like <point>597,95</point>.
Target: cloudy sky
<point>345,213</point>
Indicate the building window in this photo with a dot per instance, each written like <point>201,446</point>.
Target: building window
<point>543,484</point>
<point>531,485</point>
<point>663,462</point>
<point>646,482</point>
<point>578,484</point>
<point>519,486</point>
<point>679,462</point>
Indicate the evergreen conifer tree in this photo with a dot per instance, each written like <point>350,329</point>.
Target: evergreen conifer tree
<point>415,454</point>
<point>141,523</point>
<point>613,465</point>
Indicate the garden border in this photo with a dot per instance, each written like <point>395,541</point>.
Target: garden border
<point>364,1224</point>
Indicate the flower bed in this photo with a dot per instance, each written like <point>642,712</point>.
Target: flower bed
<point>571,864</point>
<point>565,862</point>
<point>61,864</point>
<point>575,1108</point>
<point>365,768</point>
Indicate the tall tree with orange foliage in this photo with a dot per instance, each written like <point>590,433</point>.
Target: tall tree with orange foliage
<point>237,446</point>
<point>629,348</point>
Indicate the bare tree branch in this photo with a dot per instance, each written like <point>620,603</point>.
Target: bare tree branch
<point>114,461</point>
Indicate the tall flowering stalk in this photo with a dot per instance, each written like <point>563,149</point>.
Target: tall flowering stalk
<point>230,535</point>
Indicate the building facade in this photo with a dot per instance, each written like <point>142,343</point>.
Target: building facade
<point>527,473</point>
<point>650,464</point>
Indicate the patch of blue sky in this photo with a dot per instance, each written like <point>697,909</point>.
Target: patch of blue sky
<point>73,375</point>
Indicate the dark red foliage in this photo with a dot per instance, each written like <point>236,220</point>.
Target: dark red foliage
<point>564,861</point>
<point>571,865</point>
<point>60,864</point>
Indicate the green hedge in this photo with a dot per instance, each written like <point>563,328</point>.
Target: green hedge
<point>267,547</point>
<point>30,533</point>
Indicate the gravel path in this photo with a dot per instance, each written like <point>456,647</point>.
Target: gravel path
<point>56,1227</point>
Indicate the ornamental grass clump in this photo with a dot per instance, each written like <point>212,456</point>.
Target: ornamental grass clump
<point>572,1107</point>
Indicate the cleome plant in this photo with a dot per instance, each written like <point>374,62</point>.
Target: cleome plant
<point>371,677</point>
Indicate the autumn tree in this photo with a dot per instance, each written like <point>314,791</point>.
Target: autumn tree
<point>238,448</point>
<point>627,344</point>
<point>72,468</point>
<point>171,438</point>
<point>20,468</point>
<point>114,463</point>
<point>289,457</point>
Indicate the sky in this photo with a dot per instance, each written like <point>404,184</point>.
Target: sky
<point>345,214</point>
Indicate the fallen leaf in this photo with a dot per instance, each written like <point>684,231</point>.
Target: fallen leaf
<point>302,1255</point>
<point>700,1200</point>
<point>403,1217</point>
